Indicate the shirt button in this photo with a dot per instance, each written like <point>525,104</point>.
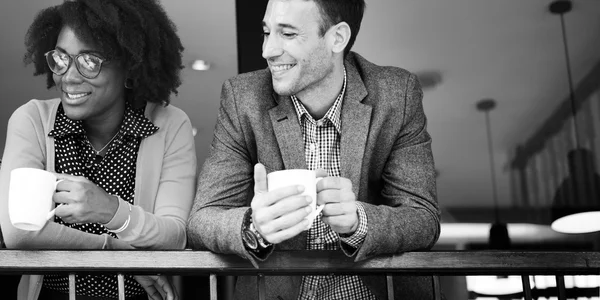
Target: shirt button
<point>310,293</point>
<point>318,240</point>
<point>320,123</point>
<point>313,147</point>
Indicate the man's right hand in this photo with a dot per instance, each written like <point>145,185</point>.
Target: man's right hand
<point>279,214</point>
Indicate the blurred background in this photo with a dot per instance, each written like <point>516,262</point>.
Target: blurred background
<point>503,162</point>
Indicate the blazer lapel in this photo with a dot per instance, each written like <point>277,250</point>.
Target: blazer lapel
<point>288,133</point>
<point>356,118</point>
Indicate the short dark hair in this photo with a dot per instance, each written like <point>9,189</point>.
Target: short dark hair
<point>336,11</point>
<point>137,32</point>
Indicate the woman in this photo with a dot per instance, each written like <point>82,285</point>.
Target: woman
<point>126,158</point>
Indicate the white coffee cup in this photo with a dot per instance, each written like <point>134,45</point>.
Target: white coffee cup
<point>30,198</point>
<point>306,178</point>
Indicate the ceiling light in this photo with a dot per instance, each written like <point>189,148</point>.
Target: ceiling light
<point>577,207</point>
<point>499,238</point>
<point>200,65</point>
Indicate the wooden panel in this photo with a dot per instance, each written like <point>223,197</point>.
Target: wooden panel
<point>298,262</point>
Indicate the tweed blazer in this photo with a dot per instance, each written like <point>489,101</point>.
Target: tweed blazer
<point>385,151</point>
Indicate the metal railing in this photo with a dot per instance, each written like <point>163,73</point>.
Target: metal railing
<point>188,262</point>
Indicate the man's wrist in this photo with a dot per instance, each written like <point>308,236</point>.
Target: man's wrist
<point>356,238</point>
<point>252,239</point>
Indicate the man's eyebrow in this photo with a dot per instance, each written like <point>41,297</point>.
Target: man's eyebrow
<point>281,25</point>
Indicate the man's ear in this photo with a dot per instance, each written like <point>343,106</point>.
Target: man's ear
<point>340,34</point>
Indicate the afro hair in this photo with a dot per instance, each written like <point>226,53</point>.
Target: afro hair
<point>137,32</point>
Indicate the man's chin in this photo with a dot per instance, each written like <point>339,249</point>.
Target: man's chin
<point>282,89</point>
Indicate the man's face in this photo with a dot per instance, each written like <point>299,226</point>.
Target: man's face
<point>298,57</point>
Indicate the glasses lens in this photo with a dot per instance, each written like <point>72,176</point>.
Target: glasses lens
<point>57,61</point>
<point>89,65</point>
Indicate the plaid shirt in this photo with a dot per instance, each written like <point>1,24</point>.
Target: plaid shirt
<point>322,151</point>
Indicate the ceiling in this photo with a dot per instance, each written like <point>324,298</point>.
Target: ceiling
<point>508,50</point>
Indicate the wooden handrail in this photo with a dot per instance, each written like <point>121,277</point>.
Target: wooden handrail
<point>137,262</point>
<point>300,262</point>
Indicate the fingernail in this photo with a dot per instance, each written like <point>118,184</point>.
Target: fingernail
<point>300,188</point>
<point>308,209</point>
<point>309,199</point>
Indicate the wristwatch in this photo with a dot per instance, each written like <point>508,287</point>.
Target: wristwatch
<point>253,240</point>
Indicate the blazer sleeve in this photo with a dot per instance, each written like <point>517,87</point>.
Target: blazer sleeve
<point>25,147</point>
<point>225,185</point>
<point>164,228</point>
<point>409,218</point>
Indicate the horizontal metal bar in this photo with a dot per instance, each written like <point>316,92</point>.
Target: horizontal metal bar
<point>299,263</point>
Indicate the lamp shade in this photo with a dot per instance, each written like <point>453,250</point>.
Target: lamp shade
<point>499,238</point>
<point>576,204</point>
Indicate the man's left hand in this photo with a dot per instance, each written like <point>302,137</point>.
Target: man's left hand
<point>340,210</point>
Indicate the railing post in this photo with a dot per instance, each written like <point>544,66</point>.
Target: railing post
<point>560,285</point>
<point>526,287</point>
<point>260,280</point>
<point>72,290</point>
<point>437,289</point>
<point>121,284</point>
<point>213,287</point>
<point>390,286</point>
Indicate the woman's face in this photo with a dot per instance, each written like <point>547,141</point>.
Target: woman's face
<point>89,99</point>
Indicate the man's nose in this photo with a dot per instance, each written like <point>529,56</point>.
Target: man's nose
<point>271,47</point>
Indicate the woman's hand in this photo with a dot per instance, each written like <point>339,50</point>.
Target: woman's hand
<point>83,201</point>
<point>157,287</point>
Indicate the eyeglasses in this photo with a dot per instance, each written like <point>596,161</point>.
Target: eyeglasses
<point>89,65</point>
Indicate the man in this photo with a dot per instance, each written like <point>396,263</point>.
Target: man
<point>320,107</point>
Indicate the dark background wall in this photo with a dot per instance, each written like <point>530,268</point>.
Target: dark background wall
<point>249,16</point>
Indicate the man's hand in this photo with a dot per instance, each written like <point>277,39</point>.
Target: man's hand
<point>84,201</point>
<point>340,210</point>
<point>278,215</point>
<point>157,287</point>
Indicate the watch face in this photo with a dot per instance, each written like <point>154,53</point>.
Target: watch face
<point>250,239</point>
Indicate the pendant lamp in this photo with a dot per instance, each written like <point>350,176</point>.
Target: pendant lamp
<point>499,238</point>
<point>576,207</point>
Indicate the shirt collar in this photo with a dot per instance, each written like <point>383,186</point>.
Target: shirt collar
<point>134,124</point>
<point>333,114</point>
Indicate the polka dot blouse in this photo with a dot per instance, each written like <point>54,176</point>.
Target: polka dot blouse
<point>115,173</point>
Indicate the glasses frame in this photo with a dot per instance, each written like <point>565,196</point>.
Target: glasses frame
<point>75,58</point>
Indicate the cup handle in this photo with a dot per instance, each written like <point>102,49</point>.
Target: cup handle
<point>57,182</point>
<point>51,213</point>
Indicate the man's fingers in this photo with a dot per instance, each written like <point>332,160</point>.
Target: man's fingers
<point>339,209</point>
<point>283,207</point>
<point>284,222</point>
<point>289,233</point>
<point>260,179</point>
<point>321,173</point>
<point>277,195</point>
<point>332,182</point>
<point>335,196</point>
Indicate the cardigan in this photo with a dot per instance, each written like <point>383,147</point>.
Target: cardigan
<point>164,185</point>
